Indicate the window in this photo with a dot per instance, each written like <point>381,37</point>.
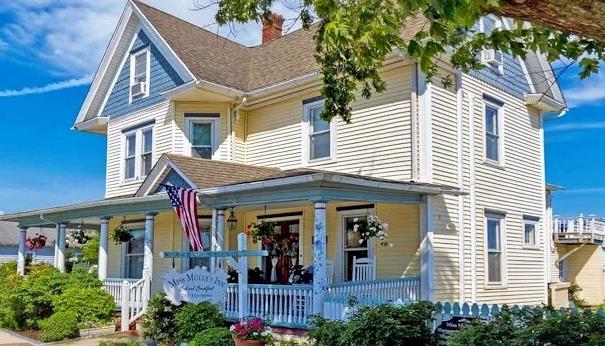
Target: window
<point>493,132</point>
<point>204,226</point>
<point>354,246</point>
<point>138,153</point>
<point>529,232</point>
<point>202,136</point>
<point>134,254</point>
<point>139,74</point>
<point>319,142</point>
<point>495,255</point>
<point>129,160</point>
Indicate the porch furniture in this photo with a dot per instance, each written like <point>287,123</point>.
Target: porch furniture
<point>330,271</point>
<point>364,269</point>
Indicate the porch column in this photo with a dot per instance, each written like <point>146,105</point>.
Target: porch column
<point>427,269</point>
<point>21,253</point>
<point>61,247</point>
<point>217,238</point>
<point>320,285</point>
<point>103,236</point>
<point>148,256</point>
<point>56,253</point>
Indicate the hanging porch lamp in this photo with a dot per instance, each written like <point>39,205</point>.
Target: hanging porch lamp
<point>231,220</point>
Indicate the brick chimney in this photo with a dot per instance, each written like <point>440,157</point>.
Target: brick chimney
<point>272,27</point>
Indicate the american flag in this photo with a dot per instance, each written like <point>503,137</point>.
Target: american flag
<point>184,202</point>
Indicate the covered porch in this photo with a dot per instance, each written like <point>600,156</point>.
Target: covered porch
<point>315,209</point>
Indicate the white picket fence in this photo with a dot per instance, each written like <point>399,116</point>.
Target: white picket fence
<point>113,286</point>
<point>130,295</point>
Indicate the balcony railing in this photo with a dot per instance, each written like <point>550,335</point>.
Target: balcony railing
<point>580,229</point>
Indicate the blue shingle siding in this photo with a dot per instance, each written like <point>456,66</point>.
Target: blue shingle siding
<point>513,80</point>
<point>162,77</point>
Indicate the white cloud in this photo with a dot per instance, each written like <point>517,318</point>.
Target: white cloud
<point>576,127</point>
<point>587,91</point>
<point>584,191</point>
<point>66,84</point>
<point>68,37</point>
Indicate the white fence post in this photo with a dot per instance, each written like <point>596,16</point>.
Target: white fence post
<point>125,306</point>
<point>242,263</point>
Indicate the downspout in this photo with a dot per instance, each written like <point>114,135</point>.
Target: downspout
<point>556,116</point>
<point>232,119</point>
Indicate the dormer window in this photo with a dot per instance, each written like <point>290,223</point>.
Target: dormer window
<point>491,57</point>
<point>139,74</point>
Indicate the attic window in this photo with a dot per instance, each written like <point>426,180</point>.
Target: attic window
<point>139,74</point>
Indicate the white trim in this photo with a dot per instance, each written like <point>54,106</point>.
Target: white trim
<point>460,169</point>
<point>215,134</point>
<point>306,135</point>
<point>501,218</point>
<point>133,57</point>
<point>425,124</point>
<point>339,260</point>
<point>138,160</point>
<point>535,223</point>
<point>500,123</point>
<point>414,124</point>
<point>427,265</point>
<point>472,197</point>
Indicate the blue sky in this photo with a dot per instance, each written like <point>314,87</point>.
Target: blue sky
<point>49,50</point>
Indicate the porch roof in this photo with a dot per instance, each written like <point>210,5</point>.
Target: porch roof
<point>263,186</point>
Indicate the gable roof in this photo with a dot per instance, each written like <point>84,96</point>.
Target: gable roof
<point>202,173</point>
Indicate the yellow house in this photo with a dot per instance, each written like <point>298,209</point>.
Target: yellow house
<point>456,173</point>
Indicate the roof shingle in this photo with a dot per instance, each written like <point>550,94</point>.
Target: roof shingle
<point>216,59</point>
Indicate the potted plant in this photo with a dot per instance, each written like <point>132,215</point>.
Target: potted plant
<point>120,234</point>
<point>251,332</point>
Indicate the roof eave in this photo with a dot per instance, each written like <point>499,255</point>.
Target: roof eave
<point>544,103</point>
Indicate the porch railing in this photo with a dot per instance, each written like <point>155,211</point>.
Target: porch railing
<point>281,304</point>
<point>113,286</point>
<point>579,229</point>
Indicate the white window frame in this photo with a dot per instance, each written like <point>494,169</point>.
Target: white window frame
<point>339,260</point>
<point>133,57</point>
<point>307,133</point>
<point>215,140</point>
<point>500,124</point>
<point>138,154</point>
<point>535,224</point>
<point>497,25</point>
<point>501,218</point>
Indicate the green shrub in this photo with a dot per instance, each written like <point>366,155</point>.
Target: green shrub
<point>92,306</point>
<point>219,336</point>
<point>159,321</point>
<point>59,326</point>
<point>194,318</point>
<point>80,277</point>
<point>90,250</point>
<point>118,343</point>
<point>573,293</point>
<point>7,269</point>
<point>382,325</point>
<point>325,332</point>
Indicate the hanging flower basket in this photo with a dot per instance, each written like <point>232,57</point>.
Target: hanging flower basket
<point>81,236</point>
<point>120,234</point>
<point>36,243</point>
<point>261,231</point>
<point>372,228</point>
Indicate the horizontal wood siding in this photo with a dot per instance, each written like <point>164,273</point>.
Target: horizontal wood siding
<point>162,114</point>
<point>586,270</point>
<point>516,189</point>
<point>376,143</point>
